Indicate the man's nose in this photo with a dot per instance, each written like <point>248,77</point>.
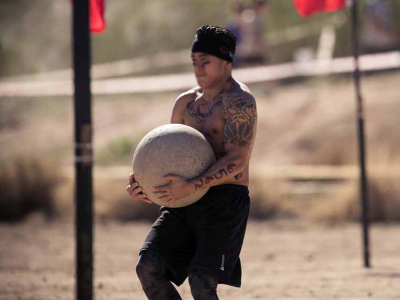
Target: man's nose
<point>198,67</point>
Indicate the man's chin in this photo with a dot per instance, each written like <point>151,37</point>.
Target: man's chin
<point>201,83</point>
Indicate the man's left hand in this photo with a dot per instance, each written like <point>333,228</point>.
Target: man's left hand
<point>179,187</point>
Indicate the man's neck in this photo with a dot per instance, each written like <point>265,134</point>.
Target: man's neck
<point>223,86</point>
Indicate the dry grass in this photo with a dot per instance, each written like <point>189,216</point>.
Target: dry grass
<point>27,185</point>
<point>268,199</point>
<point>30,185</point>
<point>384,202</point>
<point>9,114</point>
<point>112,202</point>
<point>119,150</point>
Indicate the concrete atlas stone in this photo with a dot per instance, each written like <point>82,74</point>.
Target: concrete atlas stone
<point>172,149</point>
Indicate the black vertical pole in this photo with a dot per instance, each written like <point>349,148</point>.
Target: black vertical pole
<point>83,152</point>
<point>361,138</point>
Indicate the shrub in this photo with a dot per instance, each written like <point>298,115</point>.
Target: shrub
<point>118,151</point>
<point>26,185</point>
<point>383,196</point>
<point>267,198</point>
<point>113,202</point>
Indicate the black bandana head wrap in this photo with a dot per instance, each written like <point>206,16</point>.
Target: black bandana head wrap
<point>213,46</point>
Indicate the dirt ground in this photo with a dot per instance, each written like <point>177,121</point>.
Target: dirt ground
<point>281,260</point>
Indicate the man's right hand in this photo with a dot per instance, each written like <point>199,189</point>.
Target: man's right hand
<point>135,191</point>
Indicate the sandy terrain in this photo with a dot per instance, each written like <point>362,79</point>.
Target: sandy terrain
<point>281,260</point>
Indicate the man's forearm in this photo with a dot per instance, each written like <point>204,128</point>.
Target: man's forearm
<point>224,169</point>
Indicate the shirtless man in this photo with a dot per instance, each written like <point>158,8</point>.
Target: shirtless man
<point>203,241</point>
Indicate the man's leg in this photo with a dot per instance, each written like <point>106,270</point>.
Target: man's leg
<point>219,223</point>
<point>203,287</point>
<point>151,271</point>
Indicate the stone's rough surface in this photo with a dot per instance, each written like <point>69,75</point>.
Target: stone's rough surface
<point>172,149</point>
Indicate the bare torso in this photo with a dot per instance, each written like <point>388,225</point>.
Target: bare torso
<point>208,117</point>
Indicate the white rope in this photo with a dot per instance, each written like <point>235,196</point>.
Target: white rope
<point>116,68</point>
<point>176,82</point>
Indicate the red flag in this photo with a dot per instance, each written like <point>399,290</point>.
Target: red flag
<point>97,23</point>
<point>96,15</point>
<point>309,7</point>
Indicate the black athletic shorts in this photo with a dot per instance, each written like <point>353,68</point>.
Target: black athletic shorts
<point>205,237</point>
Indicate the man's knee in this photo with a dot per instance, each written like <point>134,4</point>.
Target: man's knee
<point>203,286</point>
<point>149,266</point>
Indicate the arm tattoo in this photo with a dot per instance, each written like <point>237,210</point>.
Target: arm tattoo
<point>238,176</point>
<point>222,172</point>
<point>240,113</point>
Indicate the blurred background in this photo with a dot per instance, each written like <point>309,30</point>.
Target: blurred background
<point>304,164</point>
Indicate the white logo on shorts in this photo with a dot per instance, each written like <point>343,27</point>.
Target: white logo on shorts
<point>223,263</point>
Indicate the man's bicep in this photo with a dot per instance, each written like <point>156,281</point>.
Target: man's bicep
<point>176,118</point>
<point>241,118</point>
<point>177,112</point>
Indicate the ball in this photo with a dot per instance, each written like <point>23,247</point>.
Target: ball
<point>172,149</point>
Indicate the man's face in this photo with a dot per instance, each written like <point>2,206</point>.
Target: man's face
<point>208,69</point>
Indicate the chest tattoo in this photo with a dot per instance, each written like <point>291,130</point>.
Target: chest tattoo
<point>195,111</point>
